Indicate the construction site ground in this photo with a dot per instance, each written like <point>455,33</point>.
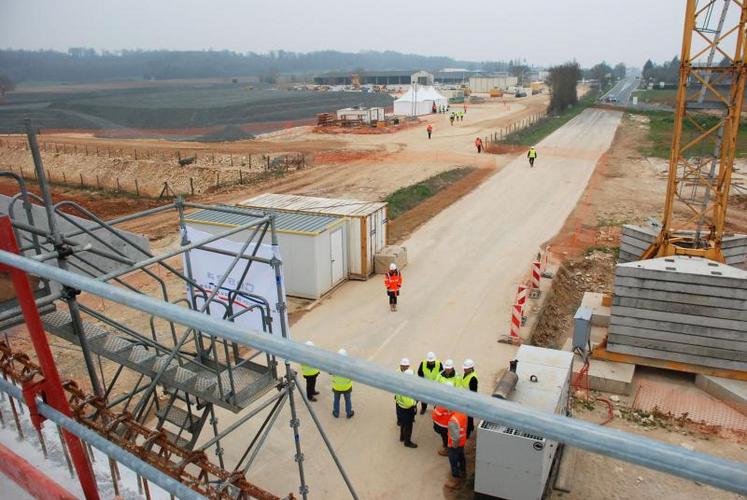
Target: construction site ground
<point>468,250</point>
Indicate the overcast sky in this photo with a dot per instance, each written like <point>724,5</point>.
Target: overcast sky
<point>542,31</point>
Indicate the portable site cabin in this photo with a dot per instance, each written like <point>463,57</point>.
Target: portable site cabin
<point>363,114</point>
<point>419,100</point>
<point>313,247</point>
<point>366,223</point>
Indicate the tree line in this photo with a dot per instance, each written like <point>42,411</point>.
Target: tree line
<point>81,64</point>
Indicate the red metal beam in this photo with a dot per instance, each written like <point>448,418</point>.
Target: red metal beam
<point>50,386</point>
<point>31,479</point>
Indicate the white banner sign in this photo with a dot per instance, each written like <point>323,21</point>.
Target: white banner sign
<point>208,269</point>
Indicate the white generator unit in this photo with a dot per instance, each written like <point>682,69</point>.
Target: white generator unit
<point>512,464</point>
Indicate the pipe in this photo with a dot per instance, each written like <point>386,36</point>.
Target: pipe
<point>107,447</point>
<point>726,474</point>
<point>507,383</point>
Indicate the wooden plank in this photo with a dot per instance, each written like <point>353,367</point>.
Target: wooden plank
<point>677,347</point>
<point>723,364</point>
<point>603,354</point>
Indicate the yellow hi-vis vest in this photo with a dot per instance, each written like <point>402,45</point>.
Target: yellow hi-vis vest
<point>341,384</point>
<point>404,401</point>
<point>430,374</point>
<point>532,153</point>
<point>308,371</point>
<point>464,380</point>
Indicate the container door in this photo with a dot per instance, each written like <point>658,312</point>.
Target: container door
<point>336,256</point>
<point>372,250</point>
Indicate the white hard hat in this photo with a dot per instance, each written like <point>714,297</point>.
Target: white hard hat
<point>308,342</point>
<point>404,362</point>
<point>409,371</point>
<point>449,383</point>
<point>342,352</point>
<point>468,363</point>
<point>449,364</point>
<point>392,266</point>
<point>431,356</point>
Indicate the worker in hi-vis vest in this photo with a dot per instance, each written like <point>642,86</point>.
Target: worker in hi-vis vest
<point>342,386</point>
<point>429,369</point>
<point>310,374</point>
<point>407,407</point>
<point>457,430</point>
<point>532,155</point>
<point>469,381</point>
<point>440,416</point>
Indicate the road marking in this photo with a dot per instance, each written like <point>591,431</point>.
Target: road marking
<point>387,340</point>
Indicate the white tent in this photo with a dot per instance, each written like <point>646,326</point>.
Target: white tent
<point>418,100</point>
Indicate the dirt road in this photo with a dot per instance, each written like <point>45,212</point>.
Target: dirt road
<point>464,266</point>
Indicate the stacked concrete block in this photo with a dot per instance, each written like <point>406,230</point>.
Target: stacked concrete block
<point>682,309</point>
<point>636,239</point>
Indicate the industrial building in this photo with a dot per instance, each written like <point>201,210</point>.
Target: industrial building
<point>365,221</point>
<point>361,114</point>
<point>485,84</point>
<point>395,77</point>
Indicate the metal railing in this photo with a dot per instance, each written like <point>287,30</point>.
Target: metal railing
<point>727,474</point>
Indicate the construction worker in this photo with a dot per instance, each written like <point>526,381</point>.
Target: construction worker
<point>457,437</point>
<point>448,374</point>
<point>310,374</point>
<point>469,381</point>
<point>342,386</point>
<point>478,144</point>
<point>461,116</point>
<point>429,129</point>
<point>404,365</point>
<point>406,409</point>
<point>532,155</point>
<point>433,108</point>
<point>429,369</point>
<point>440,417</point>
<point>393,283</point>
<point>451,118</point>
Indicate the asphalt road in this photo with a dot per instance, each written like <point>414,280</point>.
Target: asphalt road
<point>622,90</point>
<point>464,267</point>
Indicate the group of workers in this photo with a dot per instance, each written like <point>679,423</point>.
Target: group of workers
<point>453,427</point>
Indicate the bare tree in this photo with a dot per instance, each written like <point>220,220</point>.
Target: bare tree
<point>6,84</point>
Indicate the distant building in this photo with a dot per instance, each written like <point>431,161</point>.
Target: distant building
<point>360,113</point>
<point>396,77</point>
<point>487,83</point>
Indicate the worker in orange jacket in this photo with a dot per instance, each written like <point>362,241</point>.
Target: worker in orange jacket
<point>478,144</point>
<point>393,282</point>
<point>429,129</point>
<point>441,418</point>
<point>457,432</point>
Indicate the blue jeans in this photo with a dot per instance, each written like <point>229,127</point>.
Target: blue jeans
<point>457,461</point>
<point>336,403</point>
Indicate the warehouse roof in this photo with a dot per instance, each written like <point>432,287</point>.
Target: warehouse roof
<point>310,204</point>
<point>285,222</point>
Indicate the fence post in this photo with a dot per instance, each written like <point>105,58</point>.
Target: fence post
<point>81,179</point>
<point>98,184</point>
<point>217,180</point>
<point>134,151</point>
<point>191,186</point>
<point>241,177</point>
<point>230,157</point>
<point>137,188</point>
<point>118,187</point>
<point>268,163</point>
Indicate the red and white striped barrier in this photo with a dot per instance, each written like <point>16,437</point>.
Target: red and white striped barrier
<point>536,275</point>
<point>521,295</point>
<point>517,316</point>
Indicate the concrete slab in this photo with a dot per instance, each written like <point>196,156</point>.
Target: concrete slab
<point>731,392</point>
<point>674,286</point>
<point>605,376</point>
<point>713,310</point>
<point>692,359</point>
<point>687,319</point>
<point>690,270</point>
<point>600,314</point>
<point>566,469</point>
<point>734,345</point>
<point>682,298</point>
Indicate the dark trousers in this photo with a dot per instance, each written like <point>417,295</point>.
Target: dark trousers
<point>479,148</point>
<point>531,162</point>
<point>310,385</point>
<point>443,432</point>
<point>457,461</point>
<point>423,406</point>
<point>392,297</point>
<point>470,426</point>
<point>429,134</point>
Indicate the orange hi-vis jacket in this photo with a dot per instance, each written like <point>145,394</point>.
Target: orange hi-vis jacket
<point>461,419</point>
<point>478,141</point>
<point>441,416</point>
<point>393,281</point>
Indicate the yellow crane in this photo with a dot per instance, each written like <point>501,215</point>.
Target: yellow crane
<point>706,125</point>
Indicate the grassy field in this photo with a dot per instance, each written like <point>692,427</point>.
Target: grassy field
<point>408,197</point>
<point>174,107</point>
<point>660,130</point>
<point>668,97</point>
<point>548,125</point>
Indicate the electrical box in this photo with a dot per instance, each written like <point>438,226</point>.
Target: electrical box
<point>513,464</point>
<point>582,328</point>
